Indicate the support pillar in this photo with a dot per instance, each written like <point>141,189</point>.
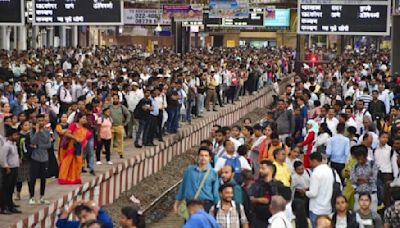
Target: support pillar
<point>395,66</point>
<point>5,34</point>
<point>22,38</point>
<point>74,36</point>
<point>43,36</point>
<point>35,36</point>
<point>63,36</point>
<point>50,36</point>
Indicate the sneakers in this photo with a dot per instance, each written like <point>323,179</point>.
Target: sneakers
<point>98,163</point>
<point>109,162</point>
<point>44,201</point>
<point>32,201</point>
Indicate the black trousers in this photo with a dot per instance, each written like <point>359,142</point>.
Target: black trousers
<point>338,167</point>
<point>230,94</point>
<point>107,147</point>
<point>160,130</point>
<point>217,90</point>
<point>38,171</point>
<point>7,188</point>
<point>150,129</point>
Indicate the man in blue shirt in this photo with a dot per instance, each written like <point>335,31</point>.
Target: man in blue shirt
<point>198,217</point>
<point>151,122</point>
<point>193,176</point>
<point>338,149</point>
<point>84,211</point>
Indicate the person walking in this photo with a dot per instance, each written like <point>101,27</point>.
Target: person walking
<point>338,150</point>
<point>200,182</point>
<point>277,208</point>
<point>40,142</point>
<point>199,217</point>
<point>142,114</point>
<point>284,119</point>
<point>321,187</point>
<point>120,116</point>
<point>227,212</point>
<point>9,163</point>
<point>151,122</point>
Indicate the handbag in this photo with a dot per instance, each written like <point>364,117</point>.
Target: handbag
<point>182,209</point>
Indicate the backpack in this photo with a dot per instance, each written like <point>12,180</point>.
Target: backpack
<point>235,163</point>
<point>336,190</point>
<point>216,209</point>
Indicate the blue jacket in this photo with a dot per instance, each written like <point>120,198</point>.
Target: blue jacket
<point>201,220</point>
<point>102,217</point>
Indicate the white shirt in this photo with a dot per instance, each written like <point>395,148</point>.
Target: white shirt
<point>133,98</point>
<point>322,139</point>
<point>358,117</point>
<point>321,188</point>
<point>300,181</point>
<point>332,124</point>
<point>279,220</point>
<point>385,163</point>
<point>236,142</point>
<point>244,164</point>
<point>384,97</point>
<point>65,95</point>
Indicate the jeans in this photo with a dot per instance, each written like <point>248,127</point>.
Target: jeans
<point>107,147</point>
<point>131,124</point>
<point>173,119</point>
<point>89,153</point>
<point>313,218</point>
<point>188,111</point>
<point>150,130</point>
<point>200,102</point>
<point>140,131</point>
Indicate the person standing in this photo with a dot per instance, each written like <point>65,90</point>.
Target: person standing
<point>24,151</point>
<point>133,96</point>
<point>91,125</point>
<point>142,114</point>
<point>283,173</point>
<point>321,187</point>
<point>65,98</point>
<point>9,163</point>
<point>200,182</point>
<point>173,109</point>
<point>211,94</point>
<point>40,142</point>
<point>72,145</point>
<point>338,149</point>
<point>284,120</point>
<point>105,135</point>
<point>120,116</point>
<point>227,212</point>
<point>151,122</point>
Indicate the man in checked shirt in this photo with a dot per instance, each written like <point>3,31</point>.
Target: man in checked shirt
<point>363,176</point>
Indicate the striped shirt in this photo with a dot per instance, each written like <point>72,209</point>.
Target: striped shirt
<point>366,98</point>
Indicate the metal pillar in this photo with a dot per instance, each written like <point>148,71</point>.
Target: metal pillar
<point>5,34</point>
<point>22,40</point>
<point>50,36</point>
<point>74,34</point>
<point>63,36</point>
<point>395,66</point>
<point>35,37</point>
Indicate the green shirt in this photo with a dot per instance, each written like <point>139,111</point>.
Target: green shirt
<point>120,115</point>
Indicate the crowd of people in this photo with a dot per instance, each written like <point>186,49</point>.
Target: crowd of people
<point>61,109</point>
<point>326,155</point>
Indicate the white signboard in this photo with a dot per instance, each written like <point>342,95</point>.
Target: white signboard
<point>145,17</point>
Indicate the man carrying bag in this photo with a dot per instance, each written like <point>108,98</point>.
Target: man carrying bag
<point>199,182</point>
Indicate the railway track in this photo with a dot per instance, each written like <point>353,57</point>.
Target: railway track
<point>162,206</point>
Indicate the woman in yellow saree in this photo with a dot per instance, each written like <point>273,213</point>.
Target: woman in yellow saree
<point>72,145</point>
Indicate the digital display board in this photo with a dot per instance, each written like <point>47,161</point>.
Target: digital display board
<point>77,12</point>
<point>343,17</point>
<point>281,19</point>
<point>12,12</point>
<point>254,19</point>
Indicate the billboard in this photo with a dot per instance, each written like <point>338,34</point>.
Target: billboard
<point>86,12</point>
<point>281,19</point>
<point>183,13</point>
<point>254,19</point>
<point>228,8</point>
<point>12,12</point>
<point>145,17</point>
<point>343,17</point>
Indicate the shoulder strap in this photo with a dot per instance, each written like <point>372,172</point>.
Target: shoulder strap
<point>202,184</point>
<point>391,154</point>
<point>238,209</point>
<point>308,172</point>
<point>215,211</point>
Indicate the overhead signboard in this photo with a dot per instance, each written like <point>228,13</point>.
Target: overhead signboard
<point>254,19</point>
<point>73,12</point>
<point>343,17</point>
<point>183,12</point>
<point>281,19</point>
<point>12,12</point>
<point>145,17</point>
<point>228,8</point>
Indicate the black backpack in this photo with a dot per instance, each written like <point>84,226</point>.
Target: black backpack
<point>336,190</point>
<point>216,209</point>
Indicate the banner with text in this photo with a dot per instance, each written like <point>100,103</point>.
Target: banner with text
<point>229,8</point>
<point>183,13</point>
<point>145,17</point>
